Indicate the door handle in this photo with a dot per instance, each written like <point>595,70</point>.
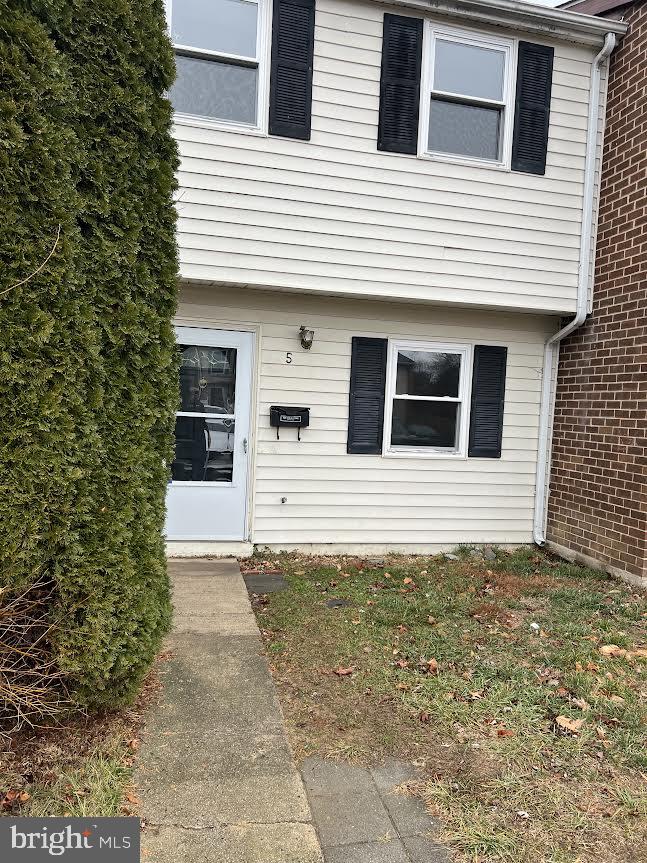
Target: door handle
<point>244,444</point>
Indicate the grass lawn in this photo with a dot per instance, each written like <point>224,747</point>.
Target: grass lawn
<point>518,684</point>
<point>81,767</point>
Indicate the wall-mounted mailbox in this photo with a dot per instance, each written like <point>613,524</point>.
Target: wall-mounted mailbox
<point>289,417</point>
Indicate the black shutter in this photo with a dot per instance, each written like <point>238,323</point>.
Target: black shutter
<point>293,29</point>
<point>400,84</point>
<point>488,393</point>
<point>366,403</point>
<point>532,108</point>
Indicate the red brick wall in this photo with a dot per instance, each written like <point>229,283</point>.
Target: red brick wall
<point>598,503</point>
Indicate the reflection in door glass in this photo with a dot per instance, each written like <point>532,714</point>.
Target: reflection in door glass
<point>207,379</point>
<point>204,445</point>
<point>204,449</point>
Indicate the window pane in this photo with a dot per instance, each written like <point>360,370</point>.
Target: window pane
<point>207,379</point>
<point>216,25</point>
<point>466,130</point>
<point>425,373</point>
<point>468,70</point>
<point>432,424</point>
<point>209,88</point>
<point>204,450</point>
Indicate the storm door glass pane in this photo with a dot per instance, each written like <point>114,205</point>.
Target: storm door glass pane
<point>211,88</point>
<point>207,379</point>
<point>423,423</point>
<point>225,26</point>
<point>469,70</point>
<point>204,449</point>
<point>423,373</point>
<point>465,130</point>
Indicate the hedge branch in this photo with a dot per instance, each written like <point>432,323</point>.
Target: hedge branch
<point>36,271</point>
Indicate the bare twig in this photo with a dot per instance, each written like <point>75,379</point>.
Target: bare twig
<point>32,687</point>
<point>37,271</point>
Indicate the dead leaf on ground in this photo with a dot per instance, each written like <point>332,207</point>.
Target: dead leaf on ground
<point>344,672</point>
<point>131,797</point>
<point>581,703</point>
<point>574,726</point>
<point>612,650</point>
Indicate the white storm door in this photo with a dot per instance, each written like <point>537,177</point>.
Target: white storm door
<point>207,495</point>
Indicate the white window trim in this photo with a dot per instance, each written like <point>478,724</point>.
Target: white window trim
<point>264,49</point>
<point>465,384</point>
<point>482,40</point>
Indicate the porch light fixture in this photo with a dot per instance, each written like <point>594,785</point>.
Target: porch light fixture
<point>307,337</point>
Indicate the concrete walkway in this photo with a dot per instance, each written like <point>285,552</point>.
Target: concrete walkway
<point>216,776</point>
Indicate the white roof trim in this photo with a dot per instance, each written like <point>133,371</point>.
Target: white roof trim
<point>555,23</point>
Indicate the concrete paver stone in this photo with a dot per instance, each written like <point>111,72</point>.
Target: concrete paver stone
<point>239,843</point>
<point>363,814</point>
<point>388,851</point>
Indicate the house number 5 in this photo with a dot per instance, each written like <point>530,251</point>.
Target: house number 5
<point>288,357</point>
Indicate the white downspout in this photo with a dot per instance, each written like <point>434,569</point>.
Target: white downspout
<point>551,350</point>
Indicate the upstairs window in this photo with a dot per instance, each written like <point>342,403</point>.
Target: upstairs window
<point>220,48</point>
<point>467,97</point>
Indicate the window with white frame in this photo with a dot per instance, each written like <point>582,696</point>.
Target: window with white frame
<point>426,404</point>
<point>467,97</point>
<point>219,49</point>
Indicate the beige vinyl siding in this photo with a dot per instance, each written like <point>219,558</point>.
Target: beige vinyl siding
<point>334,497</point>
<point>334,215</point>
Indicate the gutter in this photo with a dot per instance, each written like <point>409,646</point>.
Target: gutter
<point>551,349</point>
<point>542,20</point>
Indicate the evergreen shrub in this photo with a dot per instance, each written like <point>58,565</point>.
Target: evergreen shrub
<point>88,368</point>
